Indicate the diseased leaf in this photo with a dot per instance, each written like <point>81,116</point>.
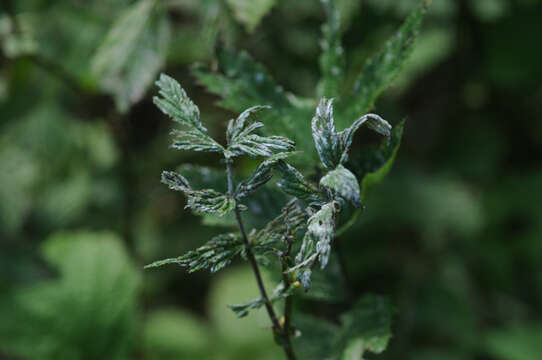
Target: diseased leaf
<point>174,102</point>
<point>316,245</point>
<point>332,62</point>
<point>214,255</point>
<point>250,12</point>
<point>132,53</point>
<point>344,183</point>
<point>261,175</point>
<point>333,146</point>
<point>201,201</point>
<point>381,70</point>
<point>293,183</point>
<point>241,139</point>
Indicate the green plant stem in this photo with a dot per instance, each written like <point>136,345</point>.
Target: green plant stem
<point>286,345</point>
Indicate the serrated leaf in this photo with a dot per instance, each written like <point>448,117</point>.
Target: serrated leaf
<point>242,310</point>
<point>260,176</point>
<point>333,146</point>
<point>344,183</point>
<point>316,246</point>
<point>381,70</point>
<point>201,201</point>
<point>250,12</point>
<point>242,82</point>
<point>174,102</point>
<point>332,62</point>
<point>243,141</point>
<point>216,254</point>
<point>132,53</point>
<point>293,183</point>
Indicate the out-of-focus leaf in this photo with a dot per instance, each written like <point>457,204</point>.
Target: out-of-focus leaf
<point>215,255</point>
<point>332,62</point>
<point>132,53</point>
<point>365,327</point>
<point>248,337</point>
<point>171,334</point>
<point>75,316</point>
<point>343,183</point>
<point>381,70</point>
<point>515,343</point>
<point>201,201</point>
<point>17,35</point>
<point>250,12</point>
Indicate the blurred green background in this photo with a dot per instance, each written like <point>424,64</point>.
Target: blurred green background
<point>453,235</point>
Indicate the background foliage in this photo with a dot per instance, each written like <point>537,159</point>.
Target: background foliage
<point>452,235</point>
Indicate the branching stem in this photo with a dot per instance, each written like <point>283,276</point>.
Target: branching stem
<point>279,330</point>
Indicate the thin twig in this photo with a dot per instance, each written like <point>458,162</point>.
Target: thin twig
<point>250,255</point>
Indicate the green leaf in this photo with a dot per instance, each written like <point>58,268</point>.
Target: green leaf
<point>260,176</point>
<point>520,342</point>
<point>75,314</point>
<point>365,327</point>
<point>316,246</point>
<point>242,310</point>
<point>293,183</point>
<point>250,12</point>
<point>386,157</point>
<point>332,62</point>
<point>132,53</point>
<point>333,146</point>
<point>381,70</point>
<point>171,334</point>
<point>242,141</point>
<point>344,183</point>
<point>201,201</point>
<point>176,104</point>
<point>216,254</point>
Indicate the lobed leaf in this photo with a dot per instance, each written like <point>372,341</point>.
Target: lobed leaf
<point>242,140</point>
<point>216,254</point>
<point>343,183</point>
<point>174,102</point>
<point>260,176</point>
<point>201,201</point>
<point>293,183</point>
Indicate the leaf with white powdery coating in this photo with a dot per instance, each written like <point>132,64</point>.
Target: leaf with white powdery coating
<point>242,140</point>
<point>293,183</point>
<point>316,246</point>
<point>174,102</point>
<point>201,201</point>
<point>344,183</point>
<point>214,255</point>
<point>260,176</point>
<point>333,146</point>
